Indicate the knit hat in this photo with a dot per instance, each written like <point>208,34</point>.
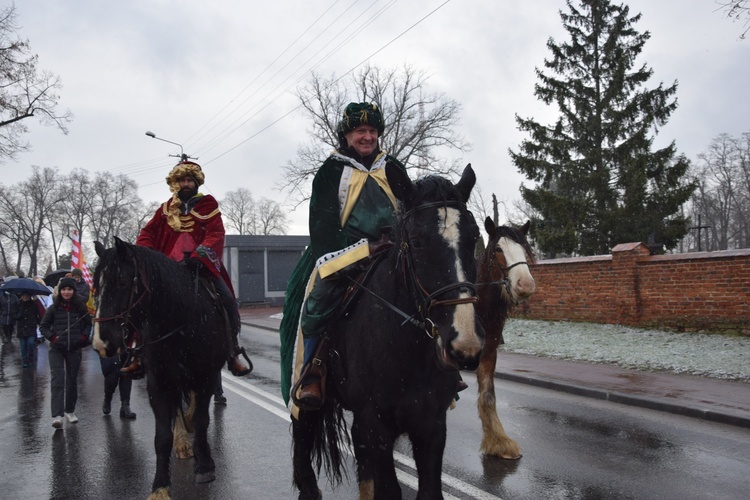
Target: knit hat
<point>182,169</point>
<point>356,114</point>
<point>66,282</point>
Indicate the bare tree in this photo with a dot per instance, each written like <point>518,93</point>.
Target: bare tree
<point>140,215</point>
<point>739,10</point>
<point>419,126</point>
<point>25,91</point>
<point>239,212</point>
<point>26,210</point>
<point>271,217</point>
<point>721,204</point>
<point>115,207</point>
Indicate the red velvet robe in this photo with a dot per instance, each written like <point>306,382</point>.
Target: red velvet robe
<point>202,226</point>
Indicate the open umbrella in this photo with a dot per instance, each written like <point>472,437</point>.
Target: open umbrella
<point>24,285</point>
<point>53,277</point>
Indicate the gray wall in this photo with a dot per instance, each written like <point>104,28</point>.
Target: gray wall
<point>260,266</point>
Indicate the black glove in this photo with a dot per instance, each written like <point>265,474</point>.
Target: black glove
<point>195,265</point>
<point>381,245</point>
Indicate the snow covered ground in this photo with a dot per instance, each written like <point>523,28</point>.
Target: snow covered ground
<point>717,356</point>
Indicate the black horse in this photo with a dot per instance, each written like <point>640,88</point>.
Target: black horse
<point>183,337</point>
<point>397,375</point>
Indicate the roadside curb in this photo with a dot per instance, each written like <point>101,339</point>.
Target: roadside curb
<point>601,394</point>
<point>630,400</point>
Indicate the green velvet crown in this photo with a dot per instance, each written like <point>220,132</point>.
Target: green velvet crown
<point>363,113</point>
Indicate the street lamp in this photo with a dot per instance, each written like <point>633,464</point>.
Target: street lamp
<point>183,156</point>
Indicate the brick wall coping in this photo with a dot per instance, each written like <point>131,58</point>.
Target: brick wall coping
<point>719,254</point>
<point>575,260</point>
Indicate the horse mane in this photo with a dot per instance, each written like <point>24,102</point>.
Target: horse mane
<point>436,188</point>
<point>428,189</point>
<point>159,272</point>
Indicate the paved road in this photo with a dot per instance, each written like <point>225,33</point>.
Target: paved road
<point>574,447</point>
<point>710,399</point>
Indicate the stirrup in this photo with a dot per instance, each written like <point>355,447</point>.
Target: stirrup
<point>310,401</point>
<point>133,368</point>
<point>235,365</point>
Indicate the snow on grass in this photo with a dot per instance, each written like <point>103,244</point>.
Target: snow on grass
<point>714,355</point>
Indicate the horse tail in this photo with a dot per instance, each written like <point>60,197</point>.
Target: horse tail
<point>334,439</point>
<point>319,438</point>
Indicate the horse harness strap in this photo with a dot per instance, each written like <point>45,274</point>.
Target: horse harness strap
<point>125,315</point>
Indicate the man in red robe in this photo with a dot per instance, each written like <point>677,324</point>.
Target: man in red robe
<point>188,227</point>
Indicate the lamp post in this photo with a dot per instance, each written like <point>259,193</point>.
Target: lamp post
<point>183,156</point>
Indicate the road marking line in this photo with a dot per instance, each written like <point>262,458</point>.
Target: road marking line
<point>404,477</point>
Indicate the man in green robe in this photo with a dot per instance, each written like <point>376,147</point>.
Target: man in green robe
<point>351,202</point>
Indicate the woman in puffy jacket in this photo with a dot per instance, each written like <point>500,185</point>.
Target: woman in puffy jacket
<point>66,325</point>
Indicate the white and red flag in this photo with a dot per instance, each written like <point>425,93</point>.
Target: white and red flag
<point>78,261</point>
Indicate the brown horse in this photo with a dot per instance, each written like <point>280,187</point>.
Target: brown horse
<point>503,280</point>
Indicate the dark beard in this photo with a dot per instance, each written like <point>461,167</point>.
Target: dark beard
<point>186,194</point>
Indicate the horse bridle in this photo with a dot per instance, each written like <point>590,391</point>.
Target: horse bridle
<point>504,283</point>
<point>126,325</point>
<point>426,300</point>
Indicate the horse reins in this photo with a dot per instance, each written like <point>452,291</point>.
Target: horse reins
<point>427,300</point>
<point>125,315</point>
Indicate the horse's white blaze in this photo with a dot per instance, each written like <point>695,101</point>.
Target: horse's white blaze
<point>522,283</point>
<point>97,343</point>
<point>463,317</point>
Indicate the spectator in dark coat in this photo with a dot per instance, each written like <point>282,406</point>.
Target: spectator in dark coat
<point>67,327</point>
<point>29,316</point>
<point>8,314</point>
<point>82,288</point>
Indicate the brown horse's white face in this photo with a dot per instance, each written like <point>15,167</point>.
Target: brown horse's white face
<point>521,283</point>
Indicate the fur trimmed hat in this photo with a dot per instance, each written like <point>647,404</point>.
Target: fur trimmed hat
<point>356,114</point>
<point>185,169</point>
<point>182,169</point>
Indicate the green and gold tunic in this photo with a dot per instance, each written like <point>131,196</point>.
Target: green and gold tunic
<point>349,202</point>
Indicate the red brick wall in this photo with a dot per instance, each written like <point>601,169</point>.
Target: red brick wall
<point>694,291</point>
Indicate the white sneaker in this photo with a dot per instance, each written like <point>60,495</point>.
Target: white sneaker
<point>57,422</point>
<point>71,418</point>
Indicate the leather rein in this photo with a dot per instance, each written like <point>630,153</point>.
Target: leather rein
<point>424,299</point>
<point>126,325</point>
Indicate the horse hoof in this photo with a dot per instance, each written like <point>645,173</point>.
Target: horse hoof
<point>160,494</point>
<point>318,495</point>
<point>204,477</point>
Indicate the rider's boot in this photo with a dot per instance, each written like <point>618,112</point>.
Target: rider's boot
<point>310,395</point>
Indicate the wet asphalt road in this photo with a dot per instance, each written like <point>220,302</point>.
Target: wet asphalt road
<point>574,448</point>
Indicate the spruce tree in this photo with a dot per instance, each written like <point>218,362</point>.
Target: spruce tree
<point>597,181</point>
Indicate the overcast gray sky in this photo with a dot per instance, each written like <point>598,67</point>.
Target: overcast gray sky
<point>218,77</point>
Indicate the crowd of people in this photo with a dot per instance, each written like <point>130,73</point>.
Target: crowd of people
<point>60,316</point>
<point>351,204</point>
<point>188,228</point>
